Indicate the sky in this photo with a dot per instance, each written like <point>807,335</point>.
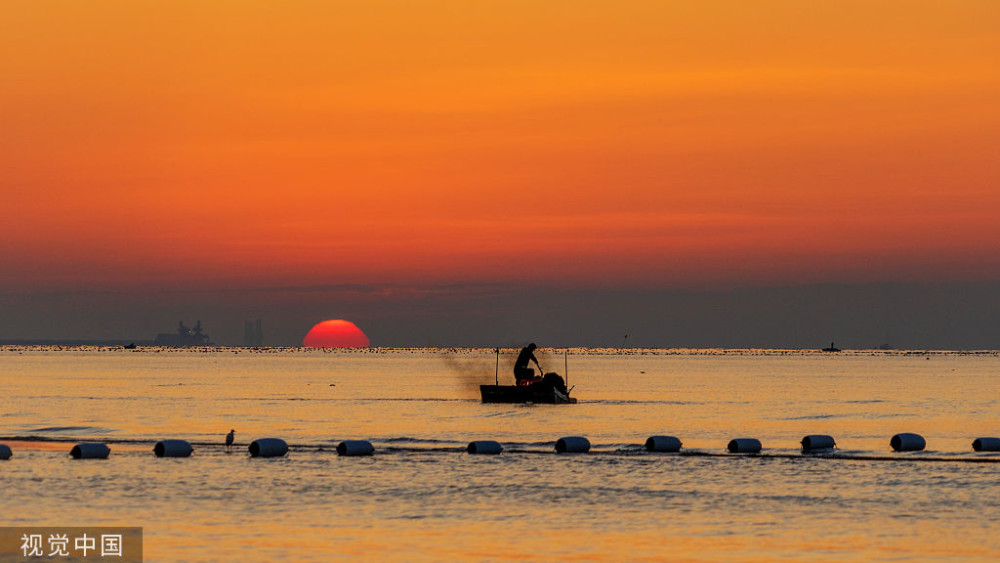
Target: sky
<point>229,160</point>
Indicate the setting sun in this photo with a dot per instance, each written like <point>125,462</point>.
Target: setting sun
<point>335,333</point>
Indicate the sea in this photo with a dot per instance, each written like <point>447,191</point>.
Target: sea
<point>421,497</point>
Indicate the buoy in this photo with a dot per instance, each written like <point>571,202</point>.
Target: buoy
<point>268,447</point>
<point>907,442</point>
<point>573,445</point>
<point>814,442</point>
<point>5,452</point>
<point>744,446</point>
<point>663,444</point>
<point>979,444</point>
<point>90,450</point>
<point>355,447</point>
<point>172,448</point>
<point>485,447</point>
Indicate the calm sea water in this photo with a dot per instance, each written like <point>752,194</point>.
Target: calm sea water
<point>420,498</point>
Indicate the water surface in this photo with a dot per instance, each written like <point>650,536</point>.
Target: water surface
<point>420,499</point>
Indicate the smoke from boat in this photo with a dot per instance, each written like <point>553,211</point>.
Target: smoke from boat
<point>474,368</point>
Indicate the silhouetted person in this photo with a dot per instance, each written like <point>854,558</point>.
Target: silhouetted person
<point>229,440</point>
<point>522,373</point>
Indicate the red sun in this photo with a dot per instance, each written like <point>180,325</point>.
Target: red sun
<point>335,334</point>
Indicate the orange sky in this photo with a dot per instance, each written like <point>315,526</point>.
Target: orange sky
<point>215,144</point>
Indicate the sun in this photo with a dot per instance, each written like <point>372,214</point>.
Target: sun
<point>336,333</point>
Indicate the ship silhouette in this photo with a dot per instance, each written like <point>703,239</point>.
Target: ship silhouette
<point>183,337</point>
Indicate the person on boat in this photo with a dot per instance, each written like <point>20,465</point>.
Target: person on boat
<point>522,373</point>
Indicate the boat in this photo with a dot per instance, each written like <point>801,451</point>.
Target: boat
<point>832,348</point>
<point>546,389</point>
<point>549,389</point>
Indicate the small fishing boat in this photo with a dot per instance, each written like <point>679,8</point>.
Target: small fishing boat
<point>548,389</point>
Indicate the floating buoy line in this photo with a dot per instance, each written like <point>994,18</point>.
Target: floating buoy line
<point>814,446</point>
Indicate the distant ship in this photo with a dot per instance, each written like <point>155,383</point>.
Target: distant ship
<point>183,337</point>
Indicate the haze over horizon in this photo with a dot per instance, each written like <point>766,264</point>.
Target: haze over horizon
<point>444,173</point>
<point>903,316</point>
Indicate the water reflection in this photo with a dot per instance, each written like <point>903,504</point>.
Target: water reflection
<point>405,505</point>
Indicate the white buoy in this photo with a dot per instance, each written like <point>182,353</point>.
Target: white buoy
<point>979,444</point>
<point>5,452</point>
<point>663,444</point>
<point>172,448</point>
<point>744,446</point>
<point>815,442</point>
<point>907,442</point>
<point>486,447</point>
<point>268,447</point>
<point>573,445</point>
<point>355,447</point>
<point>90,450</point>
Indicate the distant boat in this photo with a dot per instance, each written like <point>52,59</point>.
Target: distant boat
<point>832,348</point>
<point>130,346</point>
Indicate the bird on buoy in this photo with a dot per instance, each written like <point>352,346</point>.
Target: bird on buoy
<point>229,440</point>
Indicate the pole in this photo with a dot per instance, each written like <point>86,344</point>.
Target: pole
<point>566,364</point>
<point>498,368</point>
